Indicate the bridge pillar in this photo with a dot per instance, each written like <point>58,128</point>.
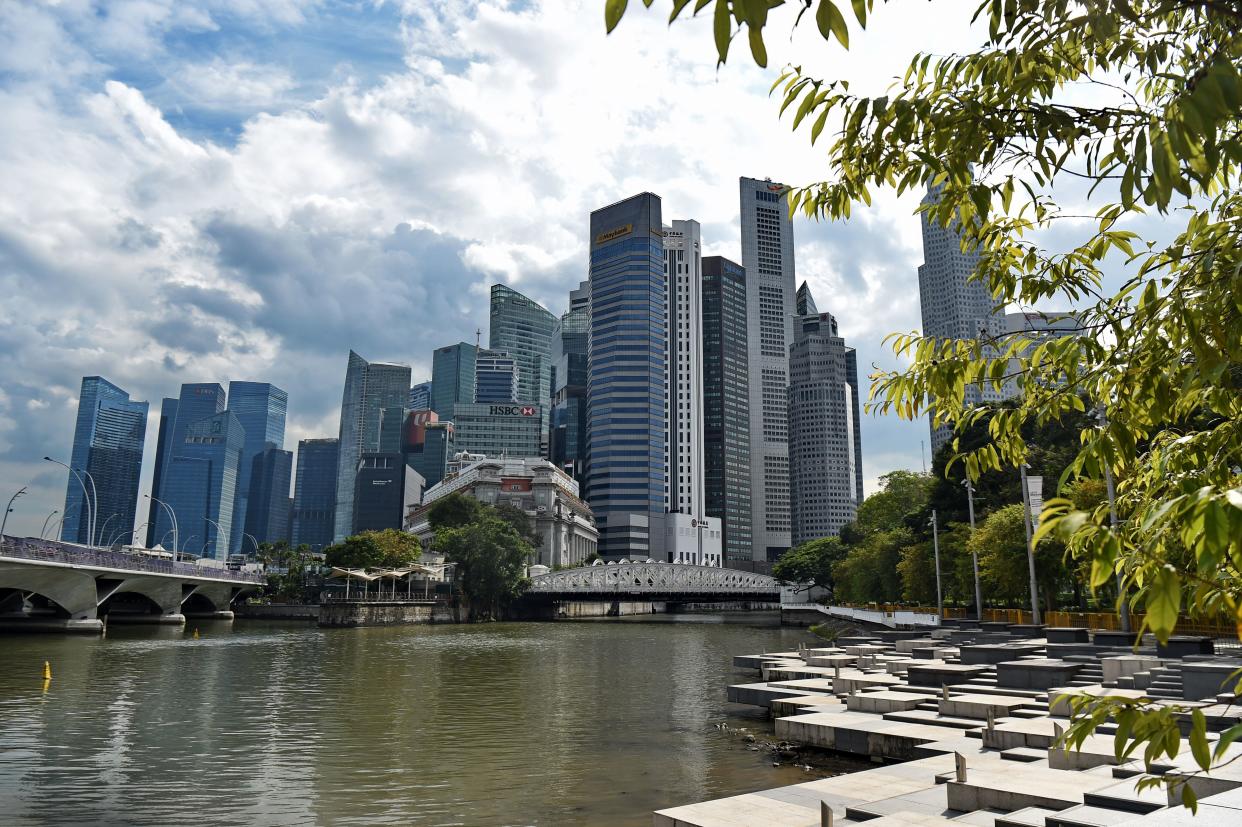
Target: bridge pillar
<point>220,595</point>
<point>164,592</point>
<point>70,589</point>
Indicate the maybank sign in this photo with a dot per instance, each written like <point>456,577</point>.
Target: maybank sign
<point>625,229</point>
<point>512,410</point>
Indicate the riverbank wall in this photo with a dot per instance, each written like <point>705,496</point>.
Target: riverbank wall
<point>349,615</point>
<point>278,611</point>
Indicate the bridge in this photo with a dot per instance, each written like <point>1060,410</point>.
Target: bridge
<point>655,582</point>
<point>49,585</point>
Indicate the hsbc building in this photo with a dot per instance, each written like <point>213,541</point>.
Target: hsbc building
<point>498,429</point>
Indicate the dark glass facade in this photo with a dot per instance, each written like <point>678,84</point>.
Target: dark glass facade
<point>522,328</point>
<point>261,408</point>
<point>379,492</point>
<point>197,402</point>
<point>200,484</point>
<point>429,446</point>
<point>567,438</point>
<point>420,397</point>
<point>314,497</point>
<point>726,406</point>
<point>168,416</point>
<point>107,444</point>
<point>626,373</point>
<point>495,377</point>
<point>267,513</point>
<point>452,377</point>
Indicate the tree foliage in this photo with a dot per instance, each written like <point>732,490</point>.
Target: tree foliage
<point>454,511</point>
<point>1139,104</point>
<point>810,563</point>
<point>491,560</point>
<point>389,548</point>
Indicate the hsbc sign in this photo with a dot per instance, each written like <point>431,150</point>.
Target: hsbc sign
<point>512,410</point>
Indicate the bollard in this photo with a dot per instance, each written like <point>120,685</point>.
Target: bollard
<point>991,719</point>
<point>959,762</point>
<point>825,814</point>
<point>47,670</point>
<point>944,692</point>
<point>1057,734</point>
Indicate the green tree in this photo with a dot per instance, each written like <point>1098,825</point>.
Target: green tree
<point>397,548</point>
<point>869,572</point>
<point>901,494</point>
<point>811,563</point>
<point>491,560</point>
<point>998,130</point>
<point>1003,567</point>
<point>917,568</point>
<point>361,551</point>
<point>520,521</point>
<point>454,511</point>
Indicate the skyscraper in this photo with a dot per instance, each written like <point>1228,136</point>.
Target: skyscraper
<point>625,382</point>
<point>499,430</point>
<point>683,389</point>
<point>267,511</point>
<point>452,377</point>
<point>197,402</point>
<point>420,397</point>
<point>314,493</point>
<point>768,258</point>
<point>200,484</point>
<point>381,488</point>
<point>567,423</point>
<point>163,444</point>
<point>726,405</point>
<point>107,443</point>
<point>495,377</point>
<point>953,305</point>
<point>372,391</point>
<point>825,465</point>
<point>428,445</point>
<point>522,328</point>
<point>804,302</point>
<point>261,408</point>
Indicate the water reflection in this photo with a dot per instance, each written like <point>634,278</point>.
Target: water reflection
<point>565,723</point>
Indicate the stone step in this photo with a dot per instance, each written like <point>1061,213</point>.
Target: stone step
<point>1086,815</point>
<point>1123,796</point>
<point>1026,755</point>
<point>921,716</point>
<point>1026,817</point>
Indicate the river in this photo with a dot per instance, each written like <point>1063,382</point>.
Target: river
<point>256,723</point>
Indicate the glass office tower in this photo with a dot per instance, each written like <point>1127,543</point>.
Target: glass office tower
<point>107,444</point>
<point>726,405</point>
<point>522,328</point>
<point>260,407</point>
<point>314,493</point>
<point>200,484</point>
<point>267,512</point>
<point>197,402</point>
<point>495,377</point>
<point>567,426</point>
<point>452,377</point>
<point>626,374</point>
<point>373,391</point>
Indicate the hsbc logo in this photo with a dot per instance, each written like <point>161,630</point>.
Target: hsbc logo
<point>511,410</point>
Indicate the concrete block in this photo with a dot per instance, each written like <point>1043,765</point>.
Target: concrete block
<point>1067,634</point>
<point>996,652</point>
<point>941,674</point>
<point>1207,680</point>
<point>1035,674</point>
<point>1179,646</point>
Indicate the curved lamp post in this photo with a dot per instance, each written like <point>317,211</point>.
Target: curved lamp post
<point>172,516</point>
<point>47,520</point>
<point>90,502</point>
<point>104,527</point>
<point>219,533</point>
<point>8,509</point>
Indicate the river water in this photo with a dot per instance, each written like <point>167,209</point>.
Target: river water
<point>256,723</point>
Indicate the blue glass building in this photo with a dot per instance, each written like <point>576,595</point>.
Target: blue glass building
<point>452,377</point>
<point>567,438</point>
<point>522,328</point>
<point>107,444</point>
<point>420,397</point>
<point>200,484</point>
<point>168,417</point>
<point>314,493</point>
<point>428,445</point>
<point>198,401</point>
<point>495,377</point>
<point>374,398</point>
<point>267,513</point>
<point>626,373</point>
<point>260,407</point>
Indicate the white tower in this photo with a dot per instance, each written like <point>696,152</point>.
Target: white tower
<point>683,390</point>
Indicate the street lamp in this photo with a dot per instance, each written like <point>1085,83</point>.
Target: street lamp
<point>1112,521</point>
<point>172,516</point>
<point>936,547</point>
<point>46,520</point>
<point>254,540</point>
<point>8,509</point>
<point>90,501</point>
<point>974,554</point>
<point>104,527</point>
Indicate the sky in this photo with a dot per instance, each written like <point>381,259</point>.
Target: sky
<point>246,190</point>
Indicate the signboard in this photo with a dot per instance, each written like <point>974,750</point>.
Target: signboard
<point>625,229</point>
<point>512,410</point>
<point>1035,493</point>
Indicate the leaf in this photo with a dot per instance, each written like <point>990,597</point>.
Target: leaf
<point>860,12</point>
<point>1164,601</point>
<point>1198,740</point>
<point>831,23</point>
<point>1189,800</point>
<point>613,11</point>
<point>757,50</point>
<point>721,30</point>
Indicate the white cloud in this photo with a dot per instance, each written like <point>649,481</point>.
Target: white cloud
<point>154,251</point>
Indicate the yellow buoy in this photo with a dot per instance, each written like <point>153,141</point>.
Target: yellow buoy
<point>196,633</point>
<point>47,670</point>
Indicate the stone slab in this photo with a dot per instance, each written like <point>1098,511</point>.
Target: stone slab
<point>1041,673</point>
<point>1067,634</point>
<point>978,706</point>
<point>942,674</point>
<point>992,653</point>
<point>1207,680</point>
<point>877,703</point>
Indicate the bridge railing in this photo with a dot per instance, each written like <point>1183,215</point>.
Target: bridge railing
<point>655,579</point>
<point>50,551</point>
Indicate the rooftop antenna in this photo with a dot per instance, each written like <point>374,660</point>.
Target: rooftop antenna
<point>478,337</point>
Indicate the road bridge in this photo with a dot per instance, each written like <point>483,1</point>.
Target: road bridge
<point>652,581</point>
<point>68,587</point>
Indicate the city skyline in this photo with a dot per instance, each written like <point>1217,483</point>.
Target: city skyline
<point>221,276</point>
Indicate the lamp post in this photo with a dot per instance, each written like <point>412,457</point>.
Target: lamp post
<point>1113,523</point>
<point>172,516</point>
<point>1030,546</point>
<point>90,505</point>
<point>253,540</point>
<point>936,547</point>
<point>219,532</point>
<point>8,509</point>
<point>104,527</point>
<point>47,520</point>
<point>974,555</point>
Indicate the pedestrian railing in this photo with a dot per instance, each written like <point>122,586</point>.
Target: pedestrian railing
<point>51,551</point>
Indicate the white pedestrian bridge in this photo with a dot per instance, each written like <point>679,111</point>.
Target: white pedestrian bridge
<point>64,586</point>
<point>655,581</point>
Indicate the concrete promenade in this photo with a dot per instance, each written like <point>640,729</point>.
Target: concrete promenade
<point>962,722</point>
